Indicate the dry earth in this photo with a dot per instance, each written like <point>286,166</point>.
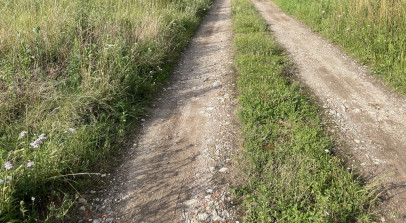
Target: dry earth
<point>178,167</point>
<point>369,117</point>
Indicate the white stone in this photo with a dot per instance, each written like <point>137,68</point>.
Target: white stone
<point>202,217</point>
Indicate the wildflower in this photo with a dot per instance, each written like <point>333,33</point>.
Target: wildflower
<point>36,143</point>
<point>9,178</point>
<point>33,198</point>
<point>22,134</point>
<point>41,137</point>
<point>326,150</point>
<point>8,165</point>
<point>30,164</point>
<point>72,130</point>
<point>1,181</point>
<point>323,11</point>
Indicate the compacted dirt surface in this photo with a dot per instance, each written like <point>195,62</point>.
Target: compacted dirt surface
<point>370,118</point>
<point>178,168</point>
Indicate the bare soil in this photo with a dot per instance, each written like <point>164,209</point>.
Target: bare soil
<point>178,168</point>
<point>370,118</point>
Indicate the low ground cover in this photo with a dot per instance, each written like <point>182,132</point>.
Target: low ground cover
<point>293,175</point>
<point>73,76</point>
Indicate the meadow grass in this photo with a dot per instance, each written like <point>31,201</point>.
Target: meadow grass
<point>373,31</point>
<point>73,76</point>
<point>292,174</point>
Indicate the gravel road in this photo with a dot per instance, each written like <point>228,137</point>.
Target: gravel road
<point>370,118</point>
<point>178,167</point>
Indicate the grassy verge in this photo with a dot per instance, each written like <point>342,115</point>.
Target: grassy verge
<point>293,176</point>
<point>374,32</point>
<point>74,74</point>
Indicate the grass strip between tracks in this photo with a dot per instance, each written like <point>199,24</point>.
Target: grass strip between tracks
<point>292,173</point>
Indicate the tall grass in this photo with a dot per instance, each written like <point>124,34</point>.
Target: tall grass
<point>73,75</point>
<point>374,31</point>
<point>292,173</point>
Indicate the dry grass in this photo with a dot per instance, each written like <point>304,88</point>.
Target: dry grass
<point>78,71</point>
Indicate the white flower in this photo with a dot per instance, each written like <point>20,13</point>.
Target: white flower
<point>22,134</point>
<point>36,143</point>
<point>8,165</point>
<point>41,137</point>
<point>30,164</point>
<point>323,11</point>
<point>72,130</point>
<point>326,150</point>
<point>1,181</point>
<point>33,198</point>
<point>9,178</point>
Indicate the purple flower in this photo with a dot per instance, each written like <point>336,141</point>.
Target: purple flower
<point>36,143</point>
<point>8,165</point>
<point>30,164</point>
<point>22,134</point>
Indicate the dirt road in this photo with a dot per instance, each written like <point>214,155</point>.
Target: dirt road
<point>188,138</point>
<point>371,119</point>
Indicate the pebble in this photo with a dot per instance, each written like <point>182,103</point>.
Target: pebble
<point>82,208</point>
<point>202,217</point>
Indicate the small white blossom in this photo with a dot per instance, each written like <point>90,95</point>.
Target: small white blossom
<point>22,134</point>
<point>326,150</point>
<point>1,181</point>
<point>323,11</point>
<point>36,143</point>
<point>8,165</point>
<point>72,130</point>
<point>33,198</point>
<point>9,178</point>
<point>30,164</point>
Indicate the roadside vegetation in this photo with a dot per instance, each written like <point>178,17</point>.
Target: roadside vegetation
<point>373,31</point>
<point>74,74</point>
<point>292,173</point>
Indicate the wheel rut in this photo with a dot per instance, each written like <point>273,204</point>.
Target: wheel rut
<point>370,118</point>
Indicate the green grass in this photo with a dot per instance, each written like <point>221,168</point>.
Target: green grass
<point>80,72</point>
<point>292,174</point>
<point>373,31</point>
